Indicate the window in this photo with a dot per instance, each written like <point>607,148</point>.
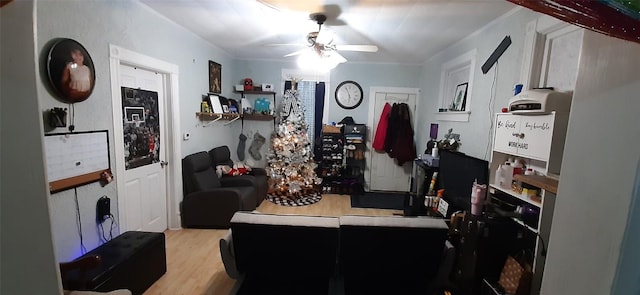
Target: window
<point>455,74</point>
<point>307,95</point>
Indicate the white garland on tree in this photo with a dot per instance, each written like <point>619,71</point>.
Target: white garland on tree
<point>291,167</point>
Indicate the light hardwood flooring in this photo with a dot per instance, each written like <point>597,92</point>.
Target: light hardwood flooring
<point>194,265</point>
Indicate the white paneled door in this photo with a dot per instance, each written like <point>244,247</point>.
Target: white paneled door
<point>143,129</point>
<point>384,173</point>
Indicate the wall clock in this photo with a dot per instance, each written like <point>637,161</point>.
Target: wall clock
<point>349,95</point>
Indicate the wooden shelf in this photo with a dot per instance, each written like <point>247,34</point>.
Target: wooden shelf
<point>214,116</point>
<point>256,92</point>
<point>541,181</point>
<point>257,117</point>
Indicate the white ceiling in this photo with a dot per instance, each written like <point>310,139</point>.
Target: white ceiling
<point>406,31</point>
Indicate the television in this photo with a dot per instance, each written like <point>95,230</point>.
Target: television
<point>456,175</point>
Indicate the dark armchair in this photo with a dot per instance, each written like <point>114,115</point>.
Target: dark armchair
<point>258,176</point>
<point>208,202</point>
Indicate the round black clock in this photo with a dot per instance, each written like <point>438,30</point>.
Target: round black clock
<point>349,95</point>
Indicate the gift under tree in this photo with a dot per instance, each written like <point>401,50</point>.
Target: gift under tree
<point>291,168</point>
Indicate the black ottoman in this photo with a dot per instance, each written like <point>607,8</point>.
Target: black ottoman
<point>133,260</point>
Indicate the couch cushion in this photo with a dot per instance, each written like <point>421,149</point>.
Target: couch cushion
<point>281,219</point>
<point>285,254</point>
<point>285,245</point>
<point>220,156</point>
<point>390,255</point>
<point>198,175</point>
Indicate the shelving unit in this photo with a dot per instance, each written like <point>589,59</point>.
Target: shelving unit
<point>355,147</point>
<point>539,141</point>
<point>331,166</point>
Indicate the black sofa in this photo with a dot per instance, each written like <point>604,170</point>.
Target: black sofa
<point>258,176</point>
<point>209,202</point>
<point>287,254</point>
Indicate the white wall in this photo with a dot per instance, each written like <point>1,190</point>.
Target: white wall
<point>26,251</point>
<point>598,170</point>
<point>475,135</point>
<point>367,75</point>
<point>133,26</point>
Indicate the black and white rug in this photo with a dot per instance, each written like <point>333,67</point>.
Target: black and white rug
<point>301,201</point>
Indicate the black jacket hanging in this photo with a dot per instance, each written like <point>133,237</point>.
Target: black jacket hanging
<point>402,146</point>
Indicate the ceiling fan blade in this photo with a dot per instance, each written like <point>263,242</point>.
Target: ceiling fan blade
<point>286,44</point>
<point>337,57</point>
<point>298,52</point>
<point>364,48</point>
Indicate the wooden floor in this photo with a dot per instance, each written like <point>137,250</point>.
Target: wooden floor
<point>193,255</point>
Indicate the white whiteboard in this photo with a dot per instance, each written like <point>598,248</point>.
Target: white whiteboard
<point>75,154</point>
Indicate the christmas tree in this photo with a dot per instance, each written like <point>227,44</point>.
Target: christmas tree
<point>291,168</point>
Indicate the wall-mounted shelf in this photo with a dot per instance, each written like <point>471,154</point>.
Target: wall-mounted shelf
<point>242,93</point>
<point>257,117</point>
<point>213,116</point>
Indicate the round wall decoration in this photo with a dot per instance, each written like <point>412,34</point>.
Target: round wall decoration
<point>70,70</point>
<point>349,95</point>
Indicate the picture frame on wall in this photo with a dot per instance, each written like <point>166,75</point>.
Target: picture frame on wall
<point>215,77</point>
<point>459,100</point>
<point>70,70</point>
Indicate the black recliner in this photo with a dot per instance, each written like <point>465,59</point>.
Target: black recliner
<point>258,176</point>
<point>209,202</point>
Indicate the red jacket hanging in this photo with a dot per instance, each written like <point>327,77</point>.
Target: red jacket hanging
<point>381,130</point>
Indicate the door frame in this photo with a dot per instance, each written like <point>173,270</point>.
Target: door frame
<point>370,121</point>
<point>120,56</point>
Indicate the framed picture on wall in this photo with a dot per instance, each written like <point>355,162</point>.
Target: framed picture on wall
<point>460,98</point>
<point>215,77</point>
<point>70,70</point>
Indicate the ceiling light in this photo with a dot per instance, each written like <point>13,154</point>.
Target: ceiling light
<point>321,61</point>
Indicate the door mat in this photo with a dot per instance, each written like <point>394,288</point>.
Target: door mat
<point>305,200</point>
<point>378,200</point>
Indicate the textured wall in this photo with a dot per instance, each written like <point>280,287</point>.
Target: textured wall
<point>133,26</point>
<point>475,135</point>
<point>25,229</point>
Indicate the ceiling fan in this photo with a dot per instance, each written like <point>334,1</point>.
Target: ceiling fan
<point>322,44</point>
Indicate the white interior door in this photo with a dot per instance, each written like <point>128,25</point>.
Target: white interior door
<point>384,174</point>
<point>142,118</point>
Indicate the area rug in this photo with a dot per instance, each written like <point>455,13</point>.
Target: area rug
<point>302,201</point>
<point>378,200</point>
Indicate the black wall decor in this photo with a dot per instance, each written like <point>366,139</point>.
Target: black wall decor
<point>496,54</point>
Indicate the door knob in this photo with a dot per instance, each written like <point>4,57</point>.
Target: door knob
<point>163,163</point>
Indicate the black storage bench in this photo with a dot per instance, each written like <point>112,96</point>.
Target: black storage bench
<point>133,260</point>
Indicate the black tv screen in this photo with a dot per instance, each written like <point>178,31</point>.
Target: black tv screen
<point>456,175</point>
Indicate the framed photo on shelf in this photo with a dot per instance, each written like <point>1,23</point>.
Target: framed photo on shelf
<point>215,77</point>
<point>459,100</point>
<point>216,107</point>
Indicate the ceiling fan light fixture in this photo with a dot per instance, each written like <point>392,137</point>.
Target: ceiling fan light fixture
<point>322,62</point>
